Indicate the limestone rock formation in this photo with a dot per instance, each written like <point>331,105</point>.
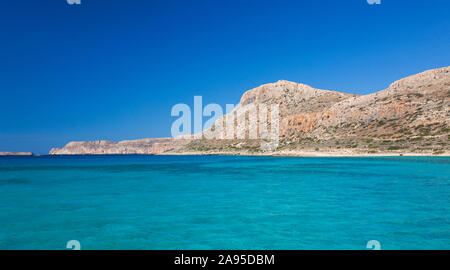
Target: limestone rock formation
<point>412,115</point>
<point>143,146</point>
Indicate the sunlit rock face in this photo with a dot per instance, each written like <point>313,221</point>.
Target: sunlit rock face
<point>413,113</point>
<point>143,146</point>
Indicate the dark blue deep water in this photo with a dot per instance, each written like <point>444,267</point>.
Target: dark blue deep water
<point>224,202</point>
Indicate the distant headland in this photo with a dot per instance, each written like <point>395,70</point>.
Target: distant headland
<point>16,153</point>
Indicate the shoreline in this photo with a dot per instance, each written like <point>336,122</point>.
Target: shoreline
<point>308,154</point>
<point>272,154</point>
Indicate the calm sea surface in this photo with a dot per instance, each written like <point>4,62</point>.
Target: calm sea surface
<point>224,202</point>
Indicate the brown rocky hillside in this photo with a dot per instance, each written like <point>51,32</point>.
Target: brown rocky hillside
<point>411,116</point>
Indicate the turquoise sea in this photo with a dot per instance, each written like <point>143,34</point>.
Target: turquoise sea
<point>224,202</point>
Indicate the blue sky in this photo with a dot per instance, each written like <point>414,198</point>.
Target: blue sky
<point>113,69</point>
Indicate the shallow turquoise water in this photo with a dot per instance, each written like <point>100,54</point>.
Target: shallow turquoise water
<point>224,202</point>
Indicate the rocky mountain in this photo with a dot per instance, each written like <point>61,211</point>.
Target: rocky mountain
<point>410,117</point>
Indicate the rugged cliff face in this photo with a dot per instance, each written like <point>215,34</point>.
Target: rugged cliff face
<point>414,106</point>
<point>411,116</point>
<point>143,146</point>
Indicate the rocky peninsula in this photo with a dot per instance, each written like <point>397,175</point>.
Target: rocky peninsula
<point>16,154</point>
<point>411,117</point>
